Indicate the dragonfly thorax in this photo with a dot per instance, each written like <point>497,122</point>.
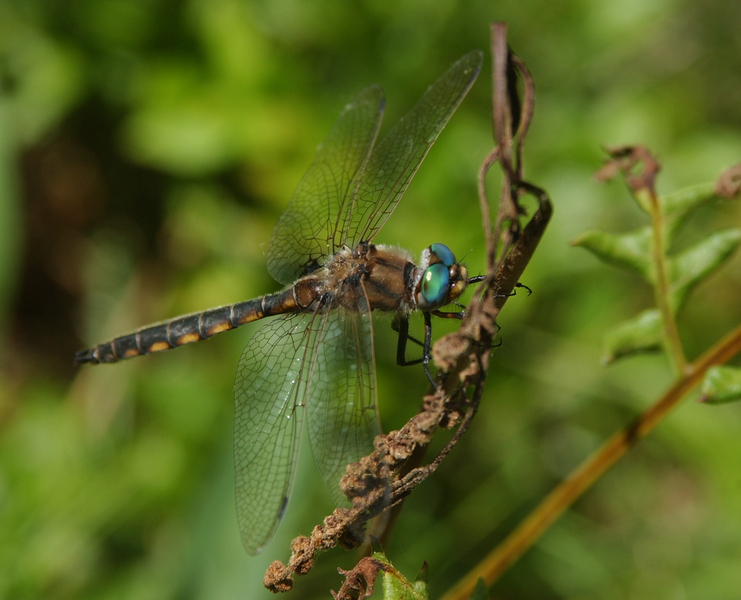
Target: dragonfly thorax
<point>368,277</point>
<point>379,277</point>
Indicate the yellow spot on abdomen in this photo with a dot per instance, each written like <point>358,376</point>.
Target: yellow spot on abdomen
<point>158,346</point>
<point>218,328</point>
<point>187,339</point>
<point>248,318</point>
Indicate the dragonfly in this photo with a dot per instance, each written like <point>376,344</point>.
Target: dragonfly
<point>314,361</point>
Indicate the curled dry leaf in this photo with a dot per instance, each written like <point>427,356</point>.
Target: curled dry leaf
<point>623,159</point>
<point>360,579</point>
<point>729,182</point>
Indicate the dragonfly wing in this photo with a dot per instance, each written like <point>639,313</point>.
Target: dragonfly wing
<point>269,392</point>
<point>398,155</point>
<point>342,415</point>
<point>312,226</point>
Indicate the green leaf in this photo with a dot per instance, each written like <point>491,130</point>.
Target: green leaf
<point>480,592</point>
<point>644,199</point>
<point>397,587</point>
<point>721,385</point>
<point>182,140</point>
<point>422,578</point>
<point>676,207</point>
<point>692,266</point>
<point>641,334</point>
<point>629,250</point>
<point>49,79</point>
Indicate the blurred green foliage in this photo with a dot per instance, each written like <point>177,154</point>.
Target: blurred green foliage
<point>146,149</point>
<point>647,252</point>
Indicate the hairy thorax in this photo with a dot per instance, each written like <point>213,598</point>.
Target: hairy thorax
<point>361,278</point>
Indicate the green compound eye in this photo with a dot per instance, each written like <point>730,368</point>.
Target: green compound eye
<point>435,284</point>
<point>443,254</point>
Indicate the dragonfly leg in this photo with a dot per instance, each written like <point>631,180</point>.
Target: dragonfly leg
<point>452,315</point>
<point>426,348</point>
<point>514,291</point>
<point>402,327</point>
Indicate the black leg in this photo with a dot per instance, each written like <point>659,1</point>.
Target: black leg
<point>402,327</point>
<point>426,348</point>
<point>514,291</point>
<point>522,285</point>
<point>397,327</point>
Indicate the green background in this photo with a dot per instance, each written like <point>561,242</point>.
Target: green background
<point>146,149</point>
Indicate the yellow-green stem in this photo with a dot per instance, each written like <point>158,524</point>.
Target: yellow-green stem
<point>661,284</point>
<point>555,503</point>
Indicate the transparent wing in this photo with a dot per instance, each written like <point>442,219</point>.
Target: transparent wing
<point>269,390</point>
<point>398,155</point>
<point>311,227</point>
<point>342,415</point>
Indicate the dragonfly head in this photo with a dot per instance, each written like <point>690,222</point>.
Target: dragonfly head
<point>443,279</point>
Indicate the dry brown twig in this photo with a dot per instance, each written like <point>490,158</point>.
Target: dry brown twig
<point>377,482</point>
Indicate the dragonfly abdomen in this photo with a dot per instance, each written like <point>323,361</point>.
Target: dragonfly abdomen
<point>189,328</point>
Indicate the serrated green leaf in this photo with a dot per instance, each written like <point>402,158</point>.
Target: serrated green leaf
<point>721,385</point>
<point>397,587</point>
<point>629,250</point>
<point>693,265</point>
<point>480,592</point>
<point>640,334</point>
<point>676,207</point>
<point>681,202</point>
<point>421,588</point>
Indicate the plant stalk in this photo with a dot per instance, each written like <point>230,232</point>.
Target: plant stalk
<point>661,287</point>
<point>561,497</point>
